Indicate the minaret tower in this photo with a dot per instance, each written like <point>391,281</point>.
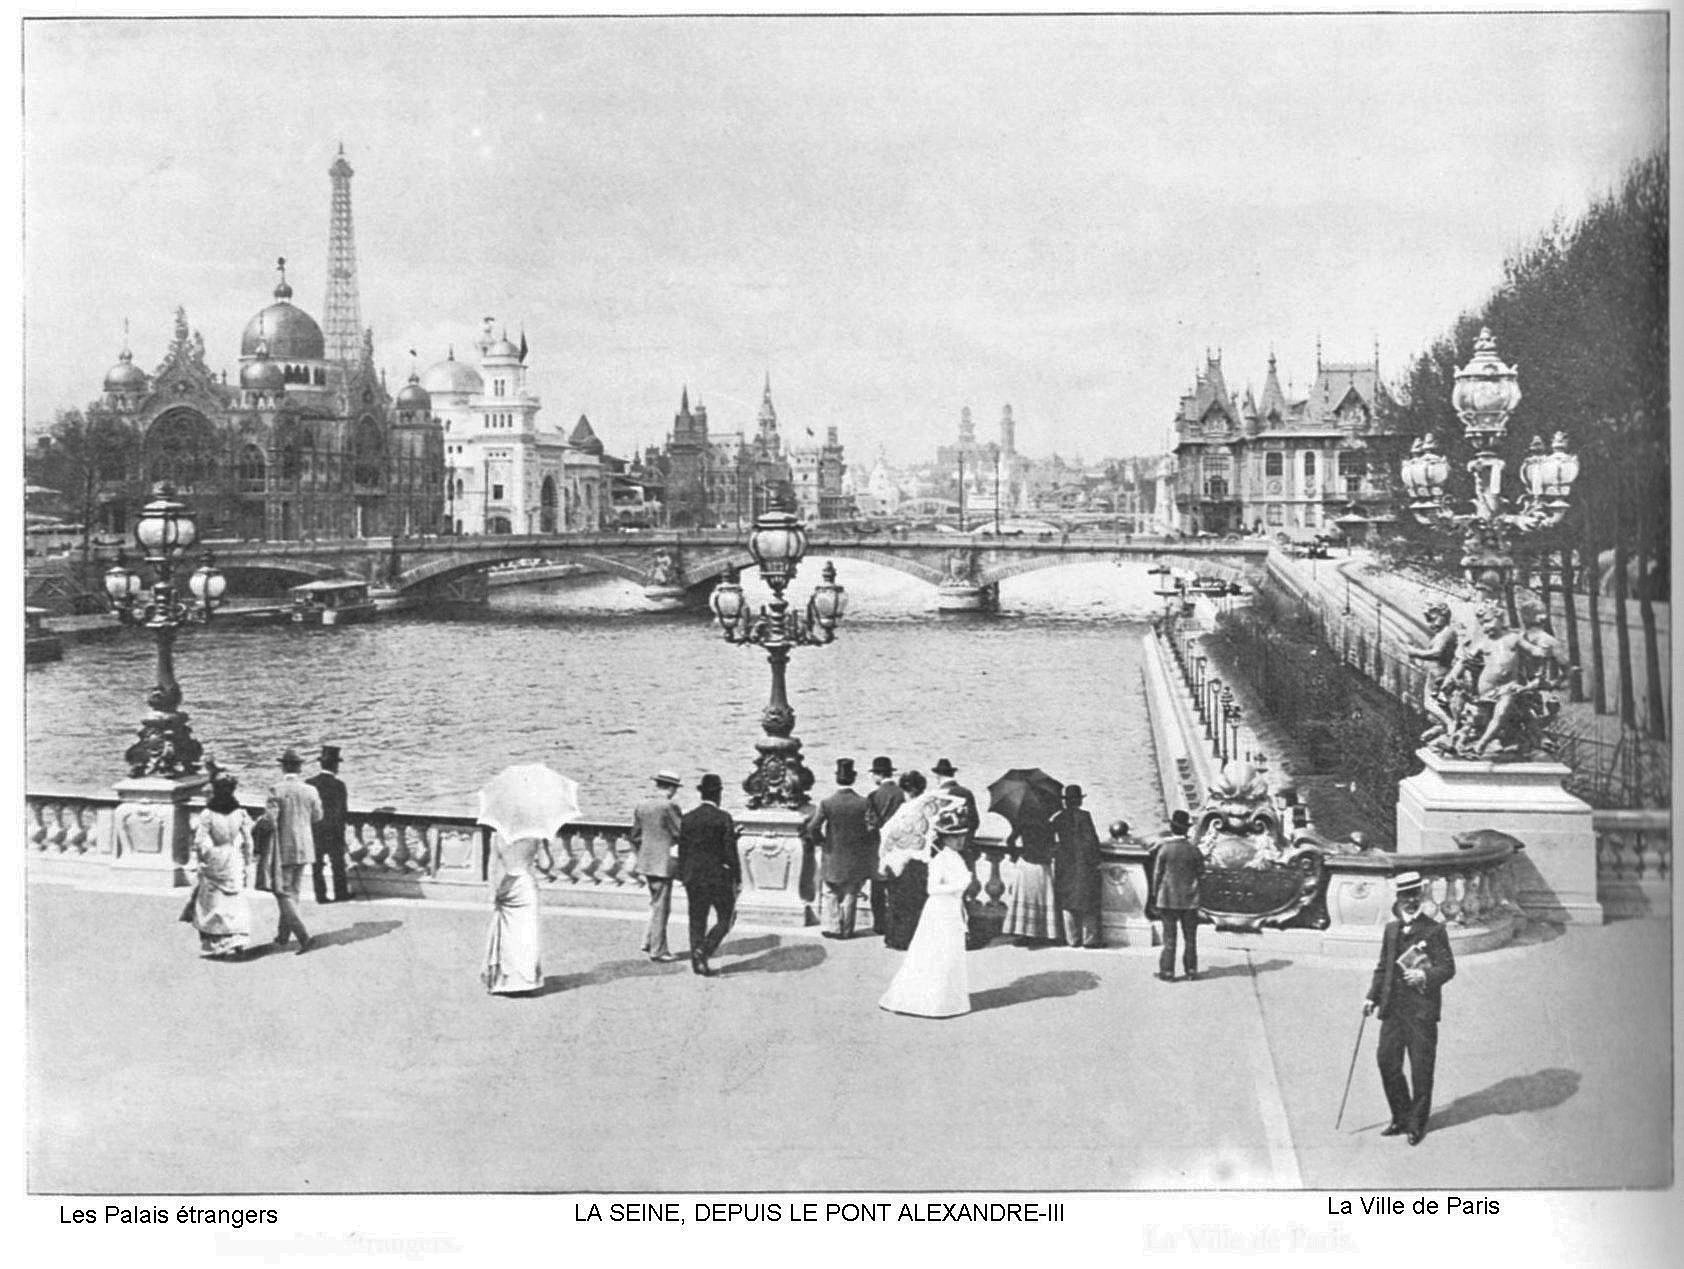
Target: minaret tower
<point>344,326</point>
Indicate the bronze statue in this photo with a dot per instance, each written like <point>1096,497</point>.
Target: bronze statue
<point>1440,653</point>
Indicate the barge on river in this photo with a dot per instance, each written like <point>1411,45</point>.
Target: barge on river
<point>332,603</point>
<point>40,643</point>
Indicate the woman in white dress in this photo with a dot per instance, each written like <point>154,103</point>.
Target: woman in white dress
<point>513,962</point>
<point>932,981</point>
<point>219,909</point>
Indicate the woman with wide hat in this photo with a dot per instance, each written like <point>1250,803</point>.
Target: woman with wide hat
<point>932,981</point>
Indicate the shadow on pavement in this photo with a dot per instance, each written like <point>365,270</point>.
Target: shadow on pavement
<point>356,933</point>
<point>1052,983</point>
<point>777,960</point>
<point>612,971</point>
<point>1517,1095</point>
<point>1244,970</point>
<point>748,946</point>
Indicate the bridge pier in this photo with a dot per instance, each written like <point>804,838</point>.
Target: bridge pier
<point>665,597</point>
<point>966,597</point>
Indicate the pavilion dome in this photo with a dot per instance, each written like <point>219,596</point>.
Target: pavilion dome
<point>125,376</point>
<point>414,396</point>
<point>290,332</point>
<point>451,375</point>
<point>261,374</point>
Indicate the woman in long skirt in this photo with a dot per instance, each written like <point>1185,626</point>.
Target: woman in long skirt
<point>1031,913</point>
<point>220,910</point>
<point>932,981</point>
<point>513,960</point>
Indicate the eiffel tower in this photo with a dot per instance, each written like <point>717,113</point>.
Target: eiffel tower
<point>343,312</point>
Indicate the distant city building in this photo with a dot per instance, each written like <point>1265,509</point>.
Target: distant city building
<point>993,474</point>
<point>722,478</point>
<point>1280,465</point>
<point>307,442</point>
<point>819,474</point>
<point>507,472</point>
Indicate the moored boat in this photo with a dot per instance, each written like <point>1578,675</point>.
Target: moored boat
<point>332,603</point>
<point>40,643</point>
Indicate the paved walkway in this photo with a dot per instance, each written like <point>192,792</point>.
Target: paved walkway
<point>378,1063</point>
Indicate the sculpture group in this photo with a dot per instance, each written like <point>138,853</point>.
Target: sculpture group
<point>1490,694</point>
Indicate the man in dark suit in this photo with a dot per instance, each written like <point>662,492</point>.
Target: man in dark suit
<point>654,835</point>
<point>949,787</point>
<point>945,772</point>
<point>1415,963</point>
<point>838,827</point>
<point>880,804</point>
<point>330,829</point>
<point>711,872</point>
<point>1177,866</point>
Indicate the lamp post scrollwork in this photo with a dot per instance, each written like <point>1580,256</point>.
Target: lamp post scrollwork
<point>778,542</point>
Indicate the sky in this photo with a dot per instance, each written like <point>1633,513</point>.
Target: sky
<point>892,218</point>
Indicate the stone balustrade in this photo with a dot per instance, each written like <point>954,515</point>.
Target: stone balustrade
<point>1634,862</point>
<point>421,855</point>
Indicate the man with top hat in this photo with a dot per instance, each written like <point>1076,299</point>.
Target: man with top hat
<point>881,804</point>
<point>330,830</point>
<point>295,808</point>
<point>1176,868</point>
<point>654,835</point>
<point>1076,863</point>
<point>1415,963</point>
<point>838,827</point>
<point>950,787</point>
<point>711,872</point>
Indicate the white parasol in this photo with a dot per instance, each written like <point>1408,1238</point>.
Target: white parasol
<point>528,800</point>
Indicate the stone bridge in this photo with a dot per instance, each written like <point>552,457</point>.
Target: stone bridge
<point>674,567</point>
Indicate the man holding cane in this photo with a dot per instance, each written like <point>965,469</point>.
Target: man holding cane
<point>1415,963</point>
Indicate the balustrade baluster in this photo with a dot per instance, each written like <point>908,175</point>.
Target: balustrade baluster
<point>382,848</point>
<point>625,872</point>
<point>55,829</point>
<point>426,853</point>
<point>566,866</point>
<point>995,887</point>
<point>400,851</point>
<point>35,819</point>
<point>356,850</point>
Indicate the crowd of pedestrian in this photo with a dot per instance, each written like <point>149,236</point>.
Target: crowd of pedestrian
<point>912,843</point>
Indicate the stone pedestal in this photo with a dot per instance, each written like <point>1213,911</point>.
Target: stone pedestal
<point>771,853</point>
<point>151,829</point>
<point>1554,878</point>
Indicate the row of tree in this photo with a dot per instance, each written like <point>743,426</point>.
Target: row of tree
<point>1582,313</point>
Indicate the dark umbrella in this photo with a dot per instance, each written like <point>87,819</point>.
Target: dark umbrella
<point>1026,793</point>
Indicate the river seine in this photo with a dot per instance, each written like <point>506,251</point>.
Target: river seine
<point>576,676</point>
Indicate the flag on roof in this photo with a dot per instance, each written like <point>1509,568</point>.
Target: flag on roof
<point>523,344</point>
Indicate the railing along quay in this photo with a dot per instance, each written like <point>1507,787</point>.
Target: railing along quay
<point>74,835</point>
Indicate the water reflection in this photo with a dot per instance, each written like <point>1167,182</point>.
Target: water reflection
<point>572,674</point>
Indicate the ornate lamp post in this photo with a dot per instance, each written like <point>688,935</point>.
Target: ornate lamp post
<point>1212,697</point>
<point>1230,723</point>
<point>166,532</point>
<point>151,820</point>
<point>1486,393</point>
<point>778,542</point>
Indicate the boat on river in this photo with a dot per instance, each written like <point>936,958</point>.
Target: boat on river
<point>332,603</point>
<point>40,643</point>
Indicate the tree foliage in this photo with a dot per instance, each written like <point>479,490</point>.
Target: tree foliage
<point>1582,313</point>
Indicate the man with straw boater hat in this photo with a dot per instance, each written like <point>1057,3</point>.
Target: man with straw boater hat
<point>654,835</point>
<point>1415,963</point>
